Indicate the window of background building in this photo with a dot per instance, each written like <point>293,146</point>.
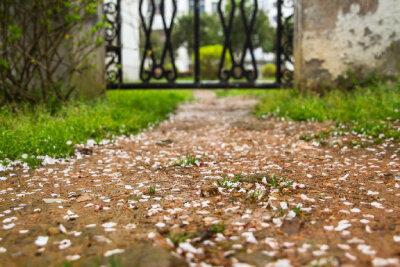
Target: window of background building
<point>214,7</point>
<point>201,5</point>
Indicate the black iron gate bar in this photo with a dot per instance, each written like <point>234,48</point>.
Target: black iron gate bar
<point>112,11</point>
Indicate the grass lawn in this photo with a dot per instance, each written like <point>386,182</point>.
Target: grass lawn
<point>28,133</point>
<point>372,110</point>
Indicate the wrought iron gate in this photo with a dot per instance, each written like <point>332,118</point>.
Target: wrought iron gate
<point>235,76</point>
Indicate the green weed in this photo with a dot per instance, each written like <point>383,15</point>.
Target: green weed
<point>227,182</point>
<point>152,190</point>
<point>279,182</point>
<point>254,195</point>
<point>177,238</point>
<point>219,228</point>
<point>189,161</point>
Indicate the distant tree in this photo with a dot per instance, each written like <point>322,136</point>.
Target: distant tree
<point>263,34</point>
<point>210,31</point>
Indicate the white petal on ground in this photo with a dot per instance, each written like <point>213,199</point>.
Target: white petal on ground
<point>41,241</point>
<point>385,262</point>
<point>73,257</point>
<point>113,252</point>
<point>66,243</point>
<point>250,237</point>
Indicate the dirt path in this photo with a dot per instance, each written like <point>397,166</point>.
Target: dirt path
<point>337,206</point>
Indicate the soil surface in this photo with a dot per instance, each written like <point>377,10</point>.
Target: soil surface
<point>251,193</point>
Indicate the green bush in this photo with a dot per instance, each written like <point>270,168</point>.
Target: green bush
<point>210,57</point>
<point>269,71</point>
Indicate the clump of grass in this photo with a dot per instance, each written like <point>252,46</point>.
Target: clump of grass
<point>370,110</point>
<point>152,190</point>
<point>218,228</point>
<point>189,161</point>
<point>279,182</point>
<point>306,137</point>
<point>227,182</point>
<point>254,195</point>
<point>177,238</point>
<point>42,131</point>
<point>298,211</point>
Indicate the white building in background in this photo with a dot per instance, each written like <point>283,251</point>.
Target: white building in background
<point>131,30</point>
<point>130,39</point>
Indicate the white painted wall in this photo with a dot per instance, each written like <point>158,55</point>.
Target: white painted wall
<point>130,39</point>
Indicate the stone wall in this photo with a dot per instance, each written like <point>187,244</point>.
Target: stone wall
<point>334,36</point>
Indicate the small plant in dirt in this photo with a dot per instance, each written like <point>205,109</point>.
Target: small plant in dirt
<point>189,161</point>
<point>177,238</point>
<point>254,195</point>
<point>115,261</point>
<point>279,183</point>
<point>298,211</point>
<point>306,137</point>
<point>218,228</point>
<point>152,190</point>
<point>318,137</point>
<point>227,182</point>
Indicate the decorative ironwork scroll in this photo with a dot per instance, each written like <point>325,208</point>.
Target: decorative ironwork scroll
<point>238,69</point>
<point>112,13</point>
<point>150,66</point>
<point>157,60</point>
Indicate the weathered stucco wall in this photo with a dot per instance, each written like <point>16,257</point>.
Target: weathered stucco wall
<point>332,37</point>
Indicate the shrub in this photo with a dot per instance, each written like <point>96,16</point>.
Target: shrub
<point>43,44</point>
<point>269,71</point>
<point>210,57</point>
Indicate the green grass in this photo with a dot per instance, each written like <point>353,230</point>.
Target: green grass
<point>279,182</point>
<point>32,132</point>
<point>189,161</point>
<point>152,190</point>
<point>218,228</point>
<point>177,238</point>
<point>372,110</point>
<point>227,182</point>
